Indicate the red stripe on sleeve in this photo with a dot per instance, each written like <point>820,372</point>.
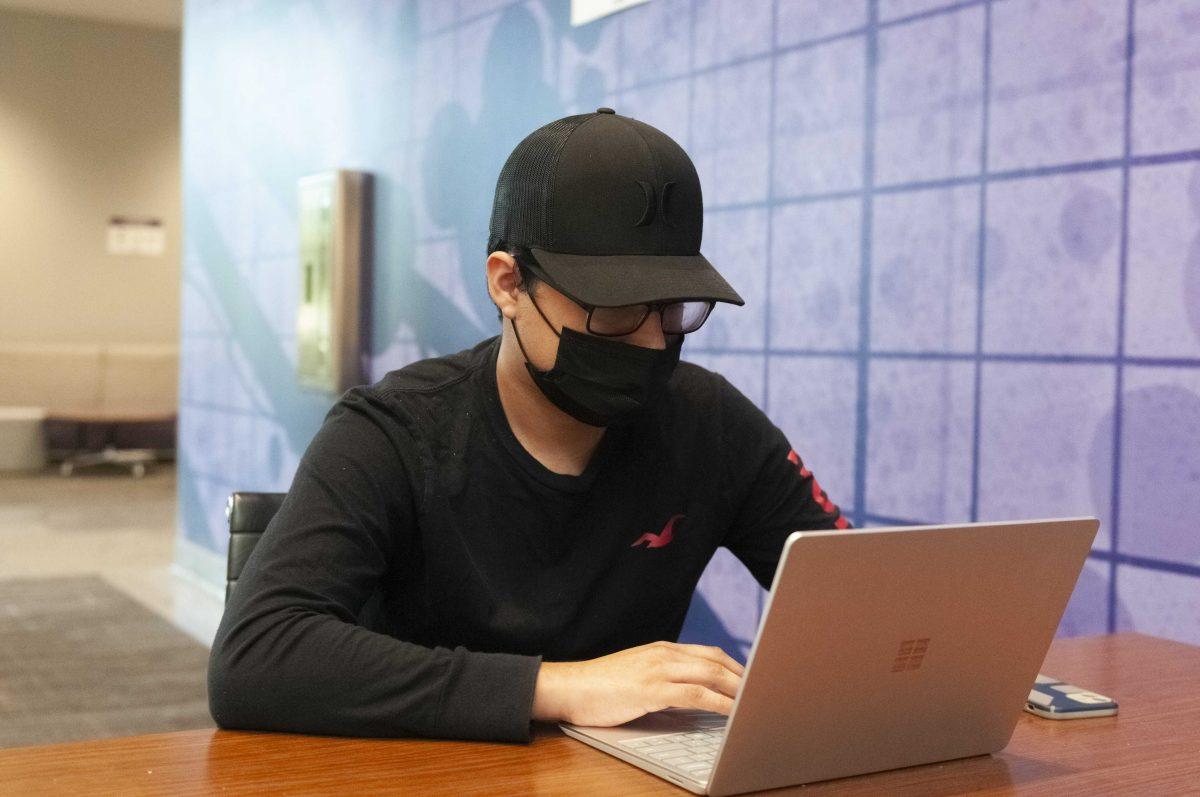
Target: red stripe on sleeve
<point>819,495</point>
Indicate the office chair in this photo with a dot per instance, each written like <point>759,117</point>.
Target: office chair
<point>248,515</point>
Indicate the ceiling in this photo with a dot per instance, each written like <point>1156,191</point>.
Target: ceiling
<point>166,14</point>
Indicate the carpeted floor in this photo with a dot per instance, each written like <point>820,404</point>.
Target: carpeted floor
<point>80,660</point>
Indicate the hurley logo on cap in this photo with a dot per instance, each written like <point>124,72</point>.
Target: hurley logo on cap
<point>664,196</point>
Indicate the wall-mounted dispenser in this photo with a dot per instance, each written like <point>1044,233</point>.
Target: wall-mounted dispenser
<point>334,210</point>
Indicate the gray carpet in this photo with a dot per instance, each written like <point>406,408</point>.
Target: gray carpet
<point>81,660</point>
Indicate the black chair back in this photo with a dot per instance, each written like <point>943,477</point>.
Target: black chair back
<point>248,515</point>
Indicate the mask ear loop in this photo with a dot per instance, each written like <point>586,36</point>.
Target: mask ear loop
<point>512,322</point>
<point>543,315</point>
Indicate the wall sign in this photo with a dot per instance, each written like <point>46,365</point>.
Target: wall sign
<point>136,236</point>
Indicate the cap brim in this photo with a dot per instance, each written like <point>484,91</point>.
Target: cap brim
<point>614,280</point>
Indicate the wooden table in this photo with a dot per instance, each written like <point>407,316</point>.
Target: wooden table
<point>1151,747</point>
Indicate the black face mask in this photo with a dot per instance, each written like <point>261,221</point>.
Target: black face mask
<point>601,381</point>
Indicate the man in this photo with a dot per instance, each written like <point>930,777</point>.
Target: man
<point>514,532</point>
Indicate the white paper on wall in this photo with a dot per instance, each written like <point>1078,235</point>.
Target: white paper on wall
<point>584,11</point>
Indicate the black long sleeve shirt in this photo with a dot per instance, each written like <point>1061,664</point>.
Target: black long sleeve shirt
<point>424,563</point>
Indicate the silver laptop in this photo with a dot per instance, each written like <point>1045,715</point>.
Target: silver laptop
<point>877,649</point>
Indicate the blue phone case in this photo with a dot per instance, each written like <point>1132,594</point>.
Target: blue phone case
<point>1056,699</point>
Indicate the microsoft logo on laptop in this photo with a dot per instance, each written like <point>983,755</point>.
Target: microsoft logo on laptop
<point>910,655</point>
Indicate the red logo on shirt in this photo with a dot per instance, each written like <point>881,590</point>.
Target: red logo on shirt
<point>661,539</point>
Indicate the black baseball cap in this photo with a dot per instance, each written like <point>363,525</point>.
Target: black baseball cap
<point>611,209</point>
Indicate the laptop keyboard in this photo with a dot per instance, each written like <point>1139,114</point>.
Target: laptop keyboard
<point>692,752</point>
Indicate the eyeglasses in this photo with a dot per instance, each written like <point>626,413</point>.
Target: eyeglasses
<point>678,317</point>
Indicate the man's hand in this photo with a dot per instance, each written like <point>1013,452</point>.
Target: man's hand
<point>623,686</point>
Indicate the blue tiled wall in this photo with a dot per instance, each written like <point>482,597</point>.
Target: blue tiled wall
<point>968,234</point>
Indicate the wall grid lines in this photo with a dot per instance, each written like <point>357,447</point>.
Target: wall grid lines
<point>970,289</point>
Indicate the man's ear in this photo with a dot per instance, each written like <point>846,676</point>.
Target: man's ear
<point>503,279</point>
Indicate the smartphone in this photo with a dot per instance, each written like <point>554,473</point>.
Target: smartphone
<point>1058,700</point>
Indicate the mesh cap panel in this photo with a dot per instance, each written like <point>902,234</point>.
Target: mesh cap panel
<point>520,214</point>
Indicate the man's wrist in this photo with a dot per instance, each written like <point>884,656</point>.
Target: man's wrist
<point>549,693</point>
